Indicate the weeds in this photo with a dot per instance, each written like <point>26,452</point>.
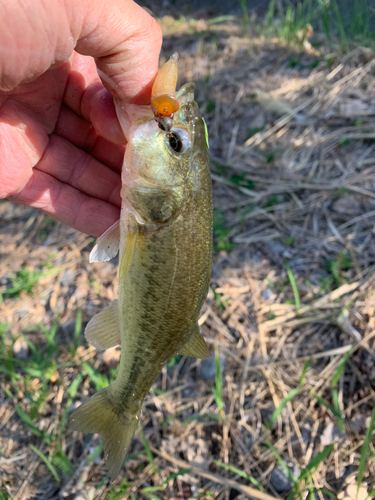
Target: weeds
<point>98,379</point>
<point>33,376</point>
<point>77,331</point>
<point>347,21</point>
<point>240,473</point>
<point>24,280</point>
<point>335,407</point>
<point>245,15</point>
<point>147,449</point>
<point>306,475</point>
<point>118,492</point>
<point>293,282</point>
<point>336,267</point>
<point>221,232</point>
<point>150,491</point>
<point>291,394</point>
<point>298,489</point>
<point>63,463</point>
<point>47,461</point>
<point>217,389</point>
<point>365,451</point>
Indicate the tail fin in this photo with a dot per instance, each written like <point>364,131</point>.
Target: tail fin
<point>99,415</point>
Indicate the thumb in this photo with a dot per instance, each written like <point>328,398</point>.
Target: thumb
<point>125,42</point>
<point>123,39</point>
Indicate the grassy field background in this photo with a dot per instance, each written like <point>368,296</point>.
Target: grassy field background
<point>285,406</point>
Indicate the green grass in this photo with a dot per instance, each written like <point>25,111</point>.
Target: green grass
<point>294,285</point>
<point>337,269</point>
<point>150,492</point>
<point>240,473</point>
<point>217,389</point>
<point>118,492</point>
<point>299,488</point>
<point>337,266</point>
<point>147,449</point>
<point>277,412</point>
<point>334,407</point>
<point>304,482</point>
<point>173,361</point>
<point>77,332</point>
<point>221,232</point>
<point>291,394</point>
<point>245,15</point>
<point>35,377</point>
<point>346,21</point>
<point>24,280</point>
<point>365,452</point>
<point>47,461</point>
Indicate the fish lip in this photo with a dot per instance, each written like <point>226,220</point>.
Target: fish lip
<point>165,123</point>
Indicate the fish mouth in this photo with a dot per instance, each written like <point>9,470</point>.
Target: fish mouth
<point>165,123</point>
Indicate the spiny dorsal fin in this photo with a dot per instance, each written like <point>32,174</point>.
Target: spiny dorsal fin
<point>103,330</point>
<point>195,346</point>
<point>107,244</point>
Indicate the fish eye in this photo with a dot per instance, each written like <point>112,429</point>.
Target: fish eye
<point>178,140</point>
<point>175,142</point>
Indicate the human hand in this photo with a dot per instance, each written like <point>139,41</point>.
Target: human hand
<point>61,145</point>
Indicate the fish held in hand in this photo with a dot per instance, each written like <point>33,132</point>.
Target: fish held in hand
<point>164,237</point>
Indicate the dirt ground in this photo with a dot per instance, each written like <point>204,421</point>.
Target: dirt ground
<point>290,310</point>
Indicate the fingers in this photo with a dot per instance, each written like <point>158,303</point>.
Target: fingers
<point>82,134</point>
<point>67,204</point>
<point>33,37</point>
<point>22,143</point>
<point>25,144</point>
<point>85,94</point>
<point>122,38</point>
<point>72,166</point>
<point>36,172</point>
<point>125,42</point>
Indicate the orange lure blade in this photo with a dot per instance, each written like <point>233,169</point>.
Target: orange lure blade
<point>163,95</point>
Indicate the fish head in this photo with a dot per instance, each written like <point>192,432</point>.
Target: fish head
<point>158,172</point>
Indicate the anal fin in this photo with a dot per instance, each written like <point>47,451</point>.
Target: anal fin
<point>107,244</point>
<point>103,330</point>
<point>195,346</point>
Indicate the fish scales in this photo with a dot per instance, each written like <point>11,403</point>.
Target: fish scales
<point>161,297</point>
<point>165,241</point>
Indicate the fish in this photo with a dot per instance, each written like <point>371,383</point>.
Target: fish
<point>164,240</point>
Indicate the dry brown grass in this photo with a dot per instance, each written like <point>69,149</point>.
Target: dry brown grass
<point>292,141</point>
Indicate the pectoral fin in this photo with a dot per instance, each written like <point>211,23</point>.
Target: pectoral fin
<point>126,255</point>
<point>103,330</point>
<point>107,244</point>
<point>196,346</point>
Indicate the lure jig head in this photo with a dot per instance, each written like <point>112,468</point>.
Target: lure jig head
<point>163,94</point>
